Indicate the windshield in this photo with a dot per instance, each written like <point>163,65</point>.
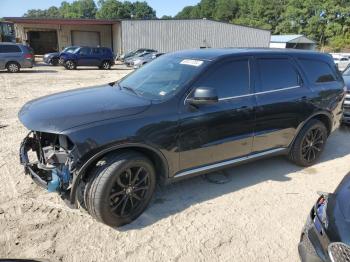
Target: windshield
<point>70,49</point>
<point>163,77</point>
<point>347,71</point>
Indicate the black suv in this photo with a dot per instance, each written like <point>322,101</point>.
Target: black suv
<point>184,114</point>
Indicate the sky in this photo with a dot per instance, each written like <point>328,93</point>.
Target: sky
<point>19,7</point>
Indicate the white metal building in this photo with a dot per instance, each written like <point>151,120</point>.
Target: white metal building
<point>292,41</point>
<point>46,35</point>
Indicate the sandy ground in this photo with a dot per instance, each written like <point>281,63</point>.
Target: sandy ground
<point>257,216</point>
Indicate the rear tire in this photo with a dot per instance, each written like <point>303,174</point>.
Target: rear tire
<point>13,67</point>
<point>70,65</point>
<point>309,144</point>
<point>120,188</point>
<point>106,65</point>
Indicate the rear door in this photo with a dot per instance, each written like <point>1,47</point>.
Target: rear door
<point>97,56</point>
<point>282,102</point>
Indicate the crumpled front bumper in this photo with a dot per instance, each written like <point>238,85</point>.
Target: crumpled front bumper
<point>31,168</point>
<point>306,248</point>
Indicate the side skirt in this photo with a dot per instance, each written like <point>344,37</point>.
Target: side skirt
<point>227,163</point>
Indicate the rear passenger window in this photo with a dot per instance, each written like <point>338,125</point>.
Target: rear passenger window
<point>9,49</point>
<point>277,74</point>
<point>318,71</point>
<point>97,51</point>
<point>229,79</point>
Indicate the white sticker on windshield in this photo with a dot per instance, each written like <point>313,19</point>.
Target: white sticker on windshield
<point>191,62</point>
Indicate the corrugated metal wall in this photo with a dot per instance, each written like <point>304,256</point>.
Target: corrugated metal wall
<point>172,35</point>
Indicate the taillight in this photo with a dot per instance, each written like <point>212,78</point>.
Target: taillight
<point>28,56</point>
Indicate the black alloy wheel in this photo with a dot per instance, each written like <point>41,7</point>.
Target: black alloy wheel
<point>313,144</point>
<point>120,188</point>
<point>309,143</point>
<point>106,65</point>
<point>129,191</point>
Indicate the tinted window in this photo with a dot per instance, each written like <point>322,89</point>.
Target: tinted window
<point>318,71</point>
<point>229,79</point>
<point>96,51</point>
<point>85,51</point>
<point>9,49</point>
<point>277,74</point>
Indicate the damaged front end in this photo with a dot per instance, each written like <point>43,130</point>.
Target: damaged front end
<point>49,160</point>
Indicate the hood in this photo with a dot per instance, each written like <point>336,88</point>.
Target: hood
<point>51,54</point>
<point>59,112</point>
<point>347,82</point>
<point>338,212</point>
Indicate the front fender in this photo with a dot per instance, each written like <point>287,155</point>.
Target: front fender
<point>81,171</point>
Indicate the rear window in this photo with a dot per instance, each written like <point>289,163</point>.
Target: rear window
<point>9,49</point>
<point>277,74</point>
<point>318,71</point>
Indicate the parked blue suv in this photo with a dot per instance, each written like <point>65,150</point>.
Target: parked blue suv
<point>101,57</point>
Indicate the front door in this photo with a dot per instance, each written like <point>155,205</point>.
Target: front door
<point>85,58</point>
<point>222,131</point>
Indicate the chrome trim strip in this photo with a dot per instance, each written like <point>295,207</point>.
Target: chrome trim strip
<point>260,93</point>
<point>228,162</point>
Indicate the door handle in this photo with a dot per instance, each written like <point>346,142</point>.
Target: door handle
<point>243,108</point>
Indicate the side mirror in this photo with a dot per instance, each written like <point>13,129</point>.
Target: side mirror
<point>204,96</point>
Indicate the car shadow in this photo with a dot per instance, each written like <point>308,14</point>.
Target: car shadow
<point>177,197</point>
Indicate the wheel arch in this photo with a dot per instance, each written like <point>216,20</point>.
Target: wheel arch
<point>12,61</point>
<point>156,157</point>
<point>324,117</point>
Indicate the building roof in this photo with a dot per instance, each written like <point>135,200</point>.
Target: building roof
<point>59,21</point>
<point>82,21</point>
<point>295,39</point>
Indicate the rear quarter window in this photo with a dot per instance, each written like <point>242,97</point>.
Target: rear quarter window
<point>318,71</point>
<point>9,49</point>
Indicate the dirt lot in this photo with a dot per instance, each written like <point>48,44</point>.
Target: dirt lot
<point>257,216</point>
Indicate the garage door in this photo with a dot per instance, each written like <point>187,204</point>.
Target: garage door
<point>86,38</point>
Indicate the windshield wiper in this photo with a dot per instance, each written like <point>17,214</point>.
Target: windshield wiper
<point>128,88</point>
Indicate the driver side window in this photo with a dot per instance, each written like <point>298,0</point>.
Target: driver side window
<point>230,79</point>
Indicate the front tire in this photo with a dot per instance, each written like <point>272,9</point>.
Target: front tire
<point>309,144</point>
<point>13,67</point>
<point>70,65</point>
<point>120,188</point>
<point>54,61</point>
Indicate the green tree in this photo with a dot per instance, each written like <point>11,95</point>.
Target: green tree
<point>189,12</point>
<point>78,9</point>
<point>113,9</point>
<point>166,17</point>
<point>141,10</point>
